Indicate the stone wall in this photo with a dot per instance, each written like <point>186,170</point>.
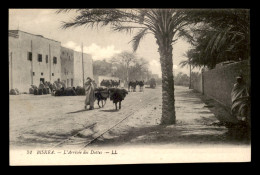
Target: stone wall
<point>196,82</point>
<point>218,83</point>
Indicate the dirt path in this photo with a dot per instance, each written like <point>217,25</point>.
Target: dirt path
<point>195,125</point>
<point>47,121</point>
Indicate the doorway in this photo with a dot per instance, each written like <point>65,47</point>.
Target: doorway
<point>42,79</point>
<point>68,82</point>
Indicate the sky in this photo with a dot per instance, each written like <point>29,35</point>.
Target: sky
<point>101,43</point>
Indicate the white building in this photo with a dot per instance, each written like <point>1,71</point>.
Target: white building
<point>32,58</point>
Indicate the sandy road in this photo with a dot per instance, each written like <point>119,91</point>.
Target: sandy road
<point>50,122</point>
<point>47,121</point>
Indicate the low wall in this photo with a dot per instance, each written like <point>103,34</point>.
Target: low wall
<point>196,83</point>
<point>218,83</point>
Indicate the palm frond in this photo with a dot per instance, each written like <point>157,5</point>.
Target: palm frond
<point>96,17</point>
<point>62,11</point>
<point>185,34</point>
<point>127,29</point>
<point>184,63</point>
<point>67,10</point>
<point>137,38</point>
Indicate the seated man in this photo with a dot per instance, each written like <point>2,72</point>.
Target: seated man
<point>240,100</point>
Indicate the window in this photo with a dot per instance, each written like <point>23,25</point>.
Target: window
<point>54,60</point>
<point>39,57</point>
<point>46,58</point>
<point>41,73</point>
<point>52,74</point>
<point>29,57</point>
<point>33,73</point>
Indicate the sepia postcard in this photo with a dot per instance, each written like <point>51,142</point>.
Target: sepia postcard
<point>129,86</point>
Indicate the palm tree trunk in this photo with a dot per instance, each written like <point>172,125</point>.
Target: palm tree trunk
<point>168,102</point>
<point>190,76</point>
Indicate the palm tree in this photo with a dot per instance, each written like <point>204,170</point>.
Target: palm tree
<point>184,63</point>
<point>164,24</point>
<point>189,62</point>
<point>222,35</point>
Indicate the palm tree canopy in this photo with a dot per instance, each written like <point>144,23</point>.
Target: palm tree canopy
<point>160,22</point>
<point>222,35</point>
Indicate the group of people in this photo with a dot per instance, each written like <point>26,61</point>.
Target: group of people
<point>43,88</point>
<point>240,95</point>
<point>47,87</point>
<point>57,85</point>
<point>110,83</point>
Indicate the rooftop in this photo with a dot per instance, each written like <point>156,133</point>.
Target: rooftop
<point>32,34</point>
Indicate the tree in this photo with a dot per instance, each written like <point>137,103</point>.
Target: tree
<point>193,60</point>
<point>138,70</point>
<point>187,63</point>
<point>102,68</point>
<point>120,71</point>
<point>164,24</point>
<point>125,59</point>
<point>222,35</point>
<point>182,79</point>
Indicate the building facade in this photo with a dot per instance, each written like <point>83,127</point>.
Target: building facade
<point>67,66</point>
<point>79,68</point>
<point>72,67</point>
<point>32,58</point>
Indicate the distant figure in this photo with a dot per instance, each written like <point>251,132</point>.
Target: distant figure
<point>54,87</point>
<point>46,84</point>
<point>240,100</point>
<point>63,84</point>
<point>40,88</point>
<point>94,83</point>
<point>152,83</point>
<point>58,84</point>
<point>90,95</point>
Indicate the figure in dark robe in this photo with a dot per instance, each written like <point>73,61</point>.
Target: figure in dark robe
<point>240,100</point>
<point>90,95</point>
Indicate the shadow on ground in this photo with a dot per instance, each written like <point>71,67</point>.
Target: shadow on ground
<point>83,110</point>
<point>109,110</point>
<point>226,131</point>
<point>176,134</point>
<point>222,113</point>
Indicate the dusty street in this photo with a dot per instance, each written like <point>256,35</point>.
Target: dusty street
<point>58,122</point>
